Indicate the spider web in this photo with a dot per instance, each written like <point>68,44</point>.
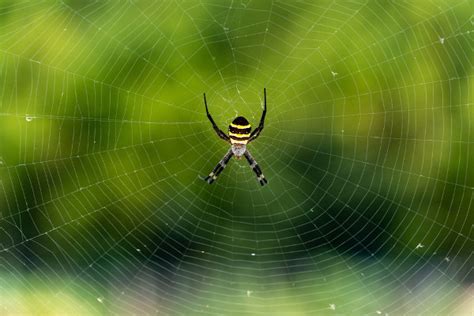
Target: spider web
<point>367,149</point>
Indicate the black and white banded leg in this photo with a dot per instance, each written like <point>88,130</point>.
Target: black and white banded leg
<point>220,166</point>
<point>256,168</point>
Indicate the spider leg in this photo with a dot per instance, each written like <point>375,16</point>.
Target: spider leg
<point>256,168</point>
<point>220,166</point>
<point>259,128</point>
<point>220,133</point>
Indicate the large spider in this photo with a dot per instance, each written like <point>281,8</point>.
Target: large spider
<point>240,135</point>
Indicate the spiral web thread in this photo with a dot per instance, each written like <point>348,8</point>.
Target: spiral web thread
<point>367,148</point>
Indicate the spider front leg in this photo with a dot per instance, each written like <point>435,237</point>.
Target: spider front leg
<point>219,133</point>
<point>256,168</point>
<point>259,128</point>
<point>220,166</point>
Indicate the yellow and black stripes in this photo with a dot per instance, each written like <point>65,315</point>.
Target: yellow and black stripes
<point>240,134</point>
<point>239,130</point>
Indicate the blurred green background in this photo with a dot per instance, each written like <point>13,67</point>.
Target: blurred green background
<point>367,146</point>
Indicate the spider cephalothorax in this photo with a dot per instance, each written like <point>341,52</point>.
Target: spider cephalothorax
<point>240,134</point>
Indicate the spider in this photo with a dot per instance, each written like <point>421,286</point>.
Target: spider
<point>240,135</point>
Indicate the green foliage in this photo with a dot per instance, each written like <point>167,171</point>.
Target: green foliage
<point>367,146</point>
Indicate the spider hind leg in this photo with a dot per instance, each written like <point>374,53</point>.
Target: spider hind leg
<point>219,168</point>
<point>256,168</point>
